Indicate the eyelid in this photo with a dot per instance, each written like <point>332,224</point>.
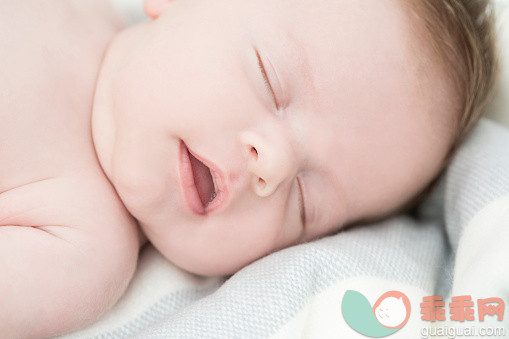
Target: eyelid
<point>302,204</point>
<point>266,79</point>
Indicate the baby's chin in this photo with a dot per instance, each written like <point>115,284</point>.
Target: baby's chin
<point>199,255</point>
<point>201,264</point>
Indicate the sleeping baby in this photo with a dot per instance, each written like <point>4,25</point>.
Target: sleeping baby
<point>221,131</point>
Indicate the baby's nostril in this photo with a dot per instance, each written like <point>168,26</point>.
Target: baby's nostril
<point>261,183</point>
<point>254,153</point>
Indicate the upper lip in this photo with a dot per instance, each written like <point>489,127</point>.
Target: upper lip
<point>220,186</point>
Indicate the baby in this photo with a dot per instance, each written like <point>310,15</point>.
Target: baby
<point>224,129</point>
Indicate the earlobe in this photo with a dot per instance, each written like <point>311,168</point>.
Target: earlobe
<point>154,8</point>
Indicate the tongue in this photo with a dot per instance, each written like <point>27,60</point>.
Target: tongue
<point>202,180</point>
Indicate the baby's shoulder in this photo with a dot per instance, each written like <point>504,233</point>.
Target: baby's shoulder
<point>51,52</point>
<point>62,40</point>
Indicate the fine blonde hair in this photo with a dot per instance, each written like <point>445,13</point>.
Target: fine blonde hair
<point>461,34</point>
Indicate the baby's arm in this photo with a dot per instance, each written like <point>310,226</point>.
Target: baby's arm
<point>67,252</point>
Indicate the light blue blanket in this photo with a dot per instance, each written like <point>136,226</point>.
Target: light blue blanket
<point>458,244</point>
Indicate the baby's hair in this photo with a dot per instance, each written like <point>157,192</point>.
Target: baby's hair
<point>461,35</point>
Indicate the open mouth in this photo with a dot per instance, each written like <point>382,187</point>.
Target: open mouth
<point>202,184</point>
<point>203,181</point>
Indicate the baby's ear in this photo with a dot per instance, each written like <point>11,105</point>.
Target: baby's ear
<point>154,8</point>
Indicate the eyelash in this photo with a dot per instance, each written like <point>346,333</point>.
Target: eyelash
<point>302,205</point>
<point>266,79</point>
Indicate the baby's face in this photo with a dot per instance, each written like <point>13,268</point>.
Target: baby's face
<point>310,115</point>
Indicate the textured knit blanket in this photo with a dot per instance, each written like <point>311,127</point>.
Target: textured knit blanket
<point>456,246</point>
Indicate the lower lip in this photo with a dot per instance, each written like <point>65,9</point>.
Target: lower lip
<point>191,195</point>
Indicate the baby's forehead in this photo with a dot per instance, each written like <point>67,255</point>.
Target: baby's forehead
<point>358,53</point>
<point>343,37</point>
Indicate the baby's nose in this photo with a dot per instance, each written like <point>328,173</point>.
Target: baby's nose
<point>270,160</point>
